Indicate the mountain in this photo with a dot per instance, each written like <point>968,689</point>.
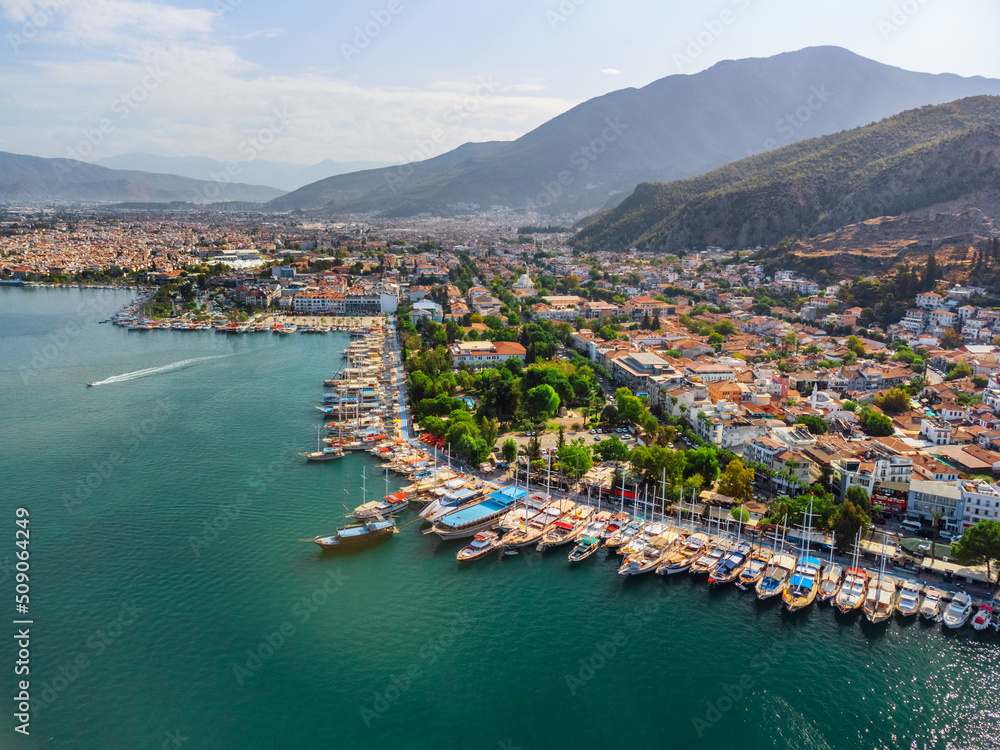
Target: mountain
<point>359,191</point>
<point>908,162</point>
<point>32,178</point>
<point>283,175</point>
<point>593,155</point>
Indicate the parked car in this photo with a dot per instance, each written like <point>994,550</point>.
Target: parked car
<point>946,536</point>
<point>598,439</point>
<point>593,432</point>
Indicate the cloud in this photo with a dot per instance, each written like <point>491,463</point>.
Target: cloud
<point>265,33</point>
<point>612,71</point>
<point>162,80</point>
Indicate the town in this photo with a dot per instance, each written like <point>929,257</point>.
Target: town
<point>880,391</point>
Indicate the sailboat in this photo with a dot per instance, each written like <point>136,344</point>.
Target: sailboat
<point>851,594</point>
<point>829,583</point>
<point>804,584</point>
<point>357,536</point>
<point>779,570</point>
<point>881,598</point>
<point>327,453</point>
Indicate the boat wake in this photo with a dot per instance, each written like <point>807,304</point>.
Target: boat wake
<point>154,370</point>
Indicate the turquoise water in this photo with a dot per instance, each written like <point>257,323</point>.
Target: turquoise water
<point>162,620</point>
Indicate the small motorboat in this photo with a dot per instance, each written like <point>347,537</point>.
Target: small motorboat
<point>983,617</point>
<point>958,611</point>
<point>583,549</point>
<point>483,544</point>
<point>931,607</point>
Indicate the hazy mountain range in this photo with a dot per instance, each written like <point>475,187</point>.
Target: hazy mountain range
<point>282,175</point>
<point>34,179</point>
<point>589,158</point>
<point>910,162</point>
<point>594,155</point>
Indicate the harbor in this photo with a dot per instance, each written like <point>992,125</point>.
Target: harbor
<point>213,567</point>
<point>797,566</point>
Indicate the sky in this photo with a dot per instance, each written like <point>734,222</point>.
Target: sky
<point>402,80</point>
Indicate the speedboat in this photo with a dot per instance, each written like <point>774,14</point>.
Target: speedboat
<point>930,609</point>
<point>983,617</point>
<point>829,583</point>
<point>680,559</point>
<point>482,544</point>
<point>958,611</point>
<point>91,384</point>
<point>390,505</point>
<point>776,575</point>
<point>909,598</point>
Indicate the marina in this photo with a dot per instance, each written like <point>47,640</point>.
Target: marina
<point>213,578</point>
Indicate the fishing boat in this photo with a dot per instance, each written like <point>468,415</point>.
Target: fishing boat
<point>729,567</point>
<point>754,568</point>
<point>357,536</point>
<point>583,549</point>
<point>829,582</point>
<point>775,576</point>
<point>476,517</point>
<point>908,602</point>
<point>482,544</point>
<point>803,585</point>
<point>679,559</point>
<point>958,611</point>
<point>566,529</point>
<point>930,609</point>
<point>983,617</point>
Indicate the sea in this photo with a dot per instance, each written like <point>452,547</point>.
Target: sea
<point>172,603</point>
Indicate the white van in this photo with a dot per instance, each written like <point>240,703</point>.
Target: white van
<point>910,525</point>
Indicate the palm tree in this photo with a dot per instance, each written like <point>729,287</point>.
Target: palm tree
<point>937,514</point>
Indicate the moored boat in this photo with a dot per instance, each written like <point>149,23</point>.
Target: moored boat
<point>983,617</point>
<point>476,517</point>
<point>958,611</point>
<point>731,565</point>
<point>566,529</point>
<point>803,585</point>
<point>650,556</point>
<point>881,599</point>
<point>482,545</point>
<point>754,568</point>
<point>829,582</point>
<point>908,602</point>
<point>583,549</point>
<point>852,591</point>
<point>930,608</point>
<point>357,536</point>
<point>679,560</point>
<point>775,576</point>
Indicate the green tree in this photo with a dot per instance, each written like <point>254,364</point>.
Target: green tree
<point>737,481</point>
<point>854,344</point>
<point>847,521</point>
<point>816,424</point>
<point>859,496</point>
<point>979,544</point>
<point>703,462</point>
<point>877,425</point>
<point>542,402</point>
<point>509,450</point>
<point>612,449</point>
<point>895,400</point>
<point>575,460</point>
<point>725,328</point>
